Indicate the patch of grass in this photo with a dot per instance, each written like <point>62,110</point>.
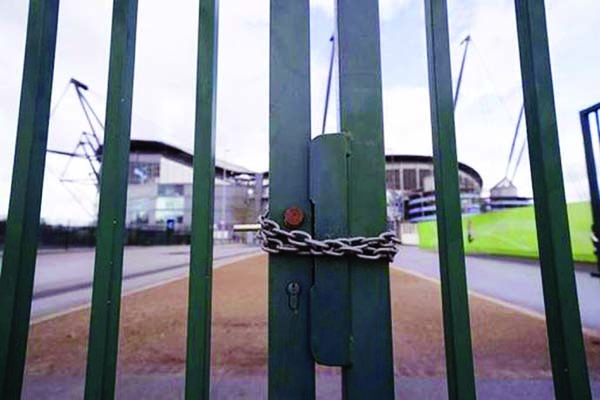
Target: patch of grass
<point>513,233</point>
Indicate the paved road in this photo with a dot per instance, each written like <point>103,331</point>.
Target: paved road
<point>63,280</point>
<point>514,281</point>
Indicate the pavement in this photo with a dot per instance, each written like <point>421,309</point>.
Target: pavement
<point>67,274</point>
<point>328,386</point>
<point>63,280</point>
<point>514,281</point>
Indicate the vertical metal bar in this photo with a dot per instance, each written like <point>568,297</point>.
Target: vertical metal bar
<point>361,116</point>
<point>563,322</point>
<point>108,270</point>
<point>20,249</point>
<point>197,374</point>
<point>597,118</point>
<point>592,173</point>
<point>455,300</point>
<point>291,366</point>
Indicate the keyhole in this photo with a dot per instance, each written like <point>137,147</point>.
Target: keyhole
<point>293,291</point>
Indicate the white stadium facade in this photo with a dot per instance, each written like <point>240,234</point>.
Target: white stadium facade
<point>160,190</point>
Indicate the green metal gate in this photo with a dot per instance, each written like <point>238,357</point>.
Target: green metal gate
<point>324,310</point>
<point>590,162</point>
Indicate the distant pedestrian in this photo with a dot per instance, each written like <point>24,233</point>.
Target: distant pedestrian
<point>470,236</point>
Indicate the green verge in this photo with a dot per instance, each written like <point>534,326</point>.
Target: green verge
<point>513,233</point>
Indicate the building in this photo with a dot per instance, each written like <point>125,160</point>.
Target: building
<point>505,195</point>
<point>411,188</point>
<point>160,190</point>
<point>159,193</point>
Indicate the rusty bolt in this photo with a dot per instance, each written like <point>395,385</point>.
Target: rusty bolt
<point>293,217</point>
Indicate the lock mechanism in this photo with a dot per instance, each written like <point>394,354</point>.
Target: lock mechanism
<point>293,291</point>
<point>330,305</point>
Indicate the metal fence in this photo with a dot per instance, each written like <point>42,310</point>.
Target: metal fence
<point>359,337</point>
<point>590,161</point>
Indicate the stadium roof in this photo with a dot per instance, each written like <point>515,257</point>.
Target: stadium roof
<point>429,160</point>
<point>186,158</point>
<point>176,154</point>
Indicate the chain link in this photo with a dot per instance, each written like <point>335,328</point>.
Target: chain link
<point>276,240</point>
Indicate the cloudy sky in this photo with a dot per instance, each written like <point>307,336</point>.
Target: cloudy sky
<point>164,83</point>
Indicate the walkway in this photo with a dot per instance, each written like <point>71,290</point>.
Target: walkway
<point>511,280</point>
<point>63,280</point>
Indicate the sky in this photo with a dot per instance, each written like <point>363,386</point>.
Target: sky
<point>164,87</point>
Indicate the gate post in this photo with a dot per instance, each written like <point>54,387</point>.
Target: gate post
<point>20,250</point>
<point>372,373</point>
<point>565,337</point>
<point>291,366</point>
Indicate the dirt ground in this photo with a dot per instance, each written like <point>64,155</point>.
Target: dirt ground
<point>507,344</point>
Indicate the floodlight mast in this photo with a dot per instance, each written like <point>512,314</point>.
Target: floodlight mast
<point>85,105</point>
<point>89,142</point>
<point>329,77</point>
<point>466,41</point>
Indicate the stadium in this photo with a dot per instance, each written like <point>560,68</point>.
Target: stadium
<point>160,190</point>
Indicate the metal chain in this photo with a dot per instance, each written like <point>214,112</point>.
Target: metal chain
<point>276,240</point>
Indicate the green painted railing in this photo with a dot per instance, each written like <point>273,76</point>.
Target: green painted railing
<point>455,302</point>
<point>590,162</point>
<point>310,175</point>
